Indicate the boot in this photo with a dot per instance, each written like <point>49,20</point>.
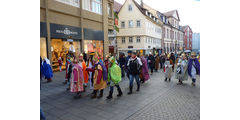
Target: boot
<point>169,79</point>
<point>130,90</point>
<point>65,82</point>
<point>77,96</point>
<point>193,84</point>
<point>119,91</point>
<point>94,94</point>
<point>165,79</point>
<point>84,88</point>
<point>110,93</point>
<point>138,87</point>
<point>180,82</point>
<point>101,94</point>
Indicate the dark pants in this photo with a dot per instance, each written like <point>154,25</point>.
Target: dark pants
<point>122,70</point>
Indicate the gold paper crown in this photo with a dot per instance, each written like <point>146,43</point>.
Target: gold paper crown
<point>81,55</point>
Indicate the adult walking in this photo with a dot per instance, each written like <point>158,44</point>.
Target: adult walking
<point>126,62</point>
<point>157,61</point>
<point>122,61</point>
<point>144,71</point>
<point>151,62</point>
<point>134,66</point>
<point>172,57</point>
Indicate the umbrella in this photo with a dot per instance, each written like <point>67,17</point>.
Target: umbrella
<point>70,40</point>
<point>187,51</point>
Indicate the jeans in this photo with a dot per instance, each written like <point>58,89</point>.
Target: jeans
<point>131,79</point>
<point>42,116</point>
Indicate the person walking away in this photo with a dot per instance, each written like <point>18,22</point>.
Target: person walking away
<point>47,70</point>
<point>157,60</point>
<point>168,68</point>
<point>181,72</point>
<point>122,61</point>
<point>172,57</point>
<point>134,66</point>
<point>114,77</point>
<point>99,78</point>
<point>84,67</point>
<point>151,61</point>
<point>60,64</point>
<point>144,71</point>
<point>193,67</point>
<point>127,59</point>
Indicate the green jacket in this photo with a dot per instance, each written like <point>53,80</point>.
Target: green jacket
<point>114,72</point>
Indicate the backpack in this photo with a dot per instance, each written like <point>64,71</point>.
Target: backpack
<point>134,66</point>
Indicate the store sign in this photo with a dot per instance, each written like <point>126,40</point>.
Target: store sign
<point>64,31</point>
<point>90,34</point>
<point>75,3</point>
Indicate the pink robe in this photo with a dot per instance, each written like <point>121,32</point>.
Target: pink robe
<point>144,70</point>
<point>77,80</point>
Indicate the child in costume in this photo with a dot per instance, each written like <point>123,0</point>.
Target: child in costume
<point>181,72</point>
<point>85,74</point>
<point>77,80</point>
<point>168,68</point>
<point>114,77</point>
<point>193,67</point>
<point>99,77</point>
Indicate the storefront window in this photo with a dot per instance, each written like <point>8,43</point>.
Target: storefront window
<point>93,46</point>
<point>60,48</point>
<point>43,47</point>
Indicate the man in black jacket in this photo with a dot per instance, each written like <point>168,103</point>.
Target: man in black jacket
<point>151,61</point>
<point>122,61</point>
<point>134,66</point>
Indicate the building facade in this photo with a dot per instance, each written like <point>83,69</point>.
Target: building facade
<point>196,42</point>
<point>187,37</point>
<point>87,24</point>
<point>172,40</point>
<point>139,29</point>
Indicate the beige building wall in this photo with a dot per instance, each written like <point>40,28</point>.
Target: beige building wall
<point>143,31</point>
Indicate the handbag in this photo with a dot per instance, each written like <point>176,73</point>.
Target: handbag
<point>179,71</point>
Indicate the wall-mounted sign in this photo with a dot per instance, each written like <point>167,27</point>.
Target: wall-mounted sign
<point>64,31</point>
<point>75,3</point>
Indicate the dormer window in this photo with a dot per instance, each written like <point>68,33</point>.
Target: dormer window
<point>129,7</point>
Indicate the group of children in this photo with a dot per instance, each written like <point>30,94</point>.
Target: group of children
<point>96,73</point>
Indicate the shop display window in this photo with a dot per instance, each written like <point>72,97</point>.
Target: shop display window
<point>60,48</point>
<point>93,46</point>
<point>43,47</point>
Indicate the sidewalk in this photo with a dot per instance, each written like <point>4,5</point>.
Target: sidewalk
<point>156,100</point>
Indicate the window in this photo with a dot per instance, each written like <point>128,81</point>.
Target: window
<point>122,24</point>
<point>168,36</point>
<point>123,39</point>
<point>130,23</point>
<point>130,39</point>
<point>138,23</point>
<point>138,39</point>
<point>146,40</point>
<point>129,7</point>
<point>93,6</point>
<point>109,10</point>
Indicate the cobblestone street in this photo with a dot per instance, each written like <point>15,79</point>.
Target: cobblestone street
<point>157,100</point>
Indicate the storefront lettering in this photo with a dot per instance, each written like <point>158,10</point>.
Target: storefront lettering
<point>66,31</point>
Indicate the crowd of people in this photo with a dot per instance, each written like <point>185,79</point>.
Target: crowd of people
<point>98,73</point>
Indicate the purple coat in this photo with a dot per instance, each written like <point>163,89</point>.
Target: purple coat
<point>190,62</point>
<point>145,69</point>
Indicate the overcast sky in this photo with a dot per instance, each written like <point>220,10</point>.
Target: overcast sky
<point>188,10</point>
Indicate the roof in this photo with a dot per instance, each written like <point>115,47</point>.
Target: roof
<point>170,13</point>
<point>184,27</point>
<point>117,6</point>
